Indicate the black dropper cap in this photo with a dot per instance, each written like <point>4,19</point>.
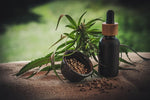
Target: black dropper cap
<point>110,17</point>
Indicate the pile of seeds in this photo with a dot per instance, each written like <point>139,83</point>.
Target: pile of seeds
<point>77,66</point>
<point>97,84</point>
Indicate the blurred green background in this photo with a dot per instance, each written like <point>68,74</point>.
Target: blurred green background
<point>27,27</point>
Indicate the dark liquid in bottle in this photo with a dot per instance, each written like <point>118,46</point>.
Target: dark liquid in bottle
<point>108,56</point>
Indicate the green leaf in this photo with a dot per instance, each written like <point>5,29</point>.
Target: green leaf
<point>57,66</point>
<point>79,22</point>
<point>93,55</point>
<point>94,33</point>
<point>122,45</point>
<point>90,30</point>
<point>54,69</point>
<point>89,25</point>
<point>48,68</point>
<point>95,72</point>
<point>84,21</point>
<point>68,35</point>
<point>70,26</point>
<point>78,41</point>
<point>61,38</point>
<point>58,21</point>
<point>53,66</point>
<point>71,20</point>
<point>122,68</point>
<point>48,55</point>
<point>64,44</point>
<point>94,20</point>
<point>87,45</point>
<point>36,63</point>
<point>95,65</point>
<point>66,48</point>
<point>95,42</point>
<point>58,57</point>
<point>31,75</point>
<point>124,61</point>
<point>71,35</point>
<point>70,53</point>
<point>125,50</point>
<point>52,61</point>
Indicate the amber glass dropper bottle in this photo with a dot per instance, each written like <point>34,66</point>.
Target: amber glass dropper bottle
<point>109,47</point>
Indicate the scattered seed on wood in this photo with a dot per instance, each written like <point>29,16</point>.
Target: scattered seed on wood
<point>80,85</point>
<point>90,88</point>
<point>97,84</point>
<point>83,89</point>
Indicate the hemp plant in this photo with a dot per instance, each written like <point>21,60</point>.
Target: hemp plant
<point>83,38</point>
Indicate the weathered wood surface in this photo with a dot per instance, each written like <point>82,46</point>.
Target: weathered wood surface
<point>130,84</point>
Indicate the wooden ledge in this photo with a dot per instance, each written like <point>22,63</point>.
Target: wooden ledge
<point>131,84</point>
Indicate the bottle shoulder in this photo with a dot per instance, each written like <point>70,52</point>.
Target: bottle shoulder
<point>109,40</point>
